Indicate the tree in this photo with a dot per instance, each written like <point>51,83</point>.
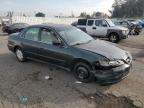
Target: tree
<point>40,14</point>
<point>99,15</point>
<point>83,14</point>
<point>128,8</point>
<point>24,15</point>
<point>88,16</point>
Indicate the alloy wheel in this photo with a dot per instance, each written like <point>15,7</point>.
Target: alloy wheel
<point>19,55</point>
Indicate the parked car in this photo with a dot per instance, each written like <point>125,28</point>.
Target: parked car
<point>131,20</point>
<point>74,23</point>
<point>134,28</point>
<point>123,24</point>
<point>74,50</point>
<point>103,28</point>
<point>141,22</point>
<point>14,28</point>
<point>137,22</point>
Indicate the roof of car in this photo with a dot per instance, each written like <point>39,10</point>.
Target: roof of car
<point>54,26</point>
<point>91,18</point>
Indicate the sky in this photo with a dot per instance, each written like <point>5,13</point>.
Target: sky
<point>56,7</point>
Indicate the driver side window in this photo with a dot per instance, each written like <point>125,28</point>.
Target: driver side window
<point>101,23</point>
<point>98,23</point>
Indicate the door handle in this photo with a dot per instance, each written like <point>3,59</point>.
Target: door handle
<point>94,28</point>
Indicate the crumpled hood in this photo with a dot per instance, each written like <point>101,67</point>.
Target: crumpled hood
<point>106,49</point>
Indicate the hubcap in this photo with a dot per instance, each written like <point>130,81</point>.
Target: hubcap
<point>82,73</point>
<point>19,54</point>
<point>113,38</point>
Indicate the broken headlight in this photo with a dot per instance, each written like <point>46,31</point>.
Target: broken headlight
<point>110,63</point>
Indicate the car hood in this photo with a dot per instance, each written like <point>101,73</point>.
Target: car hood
<point>104,48</point>
<point>119,28</point>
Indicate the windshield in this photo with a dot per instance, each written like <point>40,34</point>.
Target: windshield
<point>74,36</point>
<point>110,23</point>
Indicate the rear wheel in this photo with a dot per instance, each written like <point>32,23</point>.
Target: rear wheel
<point>83,73</point>
<point>114,38</point>
<point>19,54</point>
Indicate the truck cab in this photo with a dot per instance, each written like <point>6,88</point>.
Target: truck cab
<point>103,28</point>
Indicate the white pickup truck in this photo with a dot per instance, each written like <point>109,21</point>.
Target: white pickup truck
<point>103,28</point>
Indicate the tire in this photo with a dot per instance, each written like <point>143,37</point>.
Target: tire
<point>114,38</point>
<point>137,33</point>
<point>19,54</point>
<point>83,73</point>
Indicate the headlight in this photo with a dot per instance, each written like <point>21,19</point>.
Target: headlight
<point>125,32</point>
<point>110,63</point>
<point>116,63</point>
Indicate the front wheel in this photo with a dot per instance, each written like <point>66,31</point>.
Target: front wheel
<point>19,54</point>
<point>114,38</point>
<point>83,73</point>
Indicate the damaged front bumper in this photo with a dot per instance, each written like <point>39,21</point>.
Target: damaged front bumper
<point>113,75</point>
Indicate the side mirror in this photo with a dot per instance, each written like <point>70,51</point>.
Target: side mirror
<point>57,43</point>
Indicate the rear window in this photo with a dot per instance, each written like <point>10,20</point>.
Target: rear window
<point>82,21</point>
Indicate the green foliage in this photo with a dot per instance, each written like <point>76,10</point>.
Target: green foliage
<point>40,14</point>
<point>128,8</point>
<point>83,14</point>
<point>94,15</point>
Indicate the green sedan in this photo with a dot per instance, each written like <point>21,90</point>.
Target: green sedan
<point>72,49</point>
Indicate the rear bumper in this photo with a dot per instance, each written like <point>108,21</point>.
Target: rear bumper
<point>112,75</point>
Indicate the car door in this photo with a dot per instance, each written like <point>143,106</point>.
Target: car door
<point>101,28</point>
<point>90,27</point>
<point>30,42</point>
<point>52,50</point>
